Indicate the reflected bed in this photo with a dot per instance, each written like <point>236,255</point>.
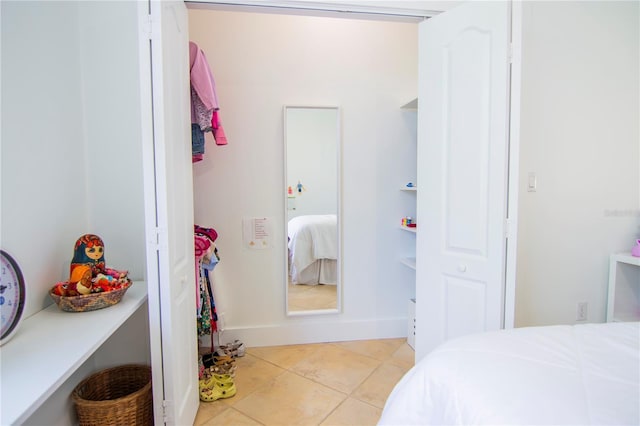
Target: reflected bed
<point>313,249</point>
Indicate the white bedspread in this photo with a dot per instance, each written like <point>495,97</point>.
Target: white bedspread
<point>582,375</point>
<point>311,238</point>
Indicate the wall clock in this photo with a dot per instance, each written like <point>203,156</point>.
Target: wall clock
<point>12,292</point>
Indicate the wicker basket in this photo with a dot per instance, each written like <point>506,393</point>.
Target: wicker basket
<point>90,302</point>
<point>115,396</point>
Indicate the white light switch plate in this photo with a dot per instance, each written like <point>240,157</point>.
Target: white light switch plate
<point>532,182</point>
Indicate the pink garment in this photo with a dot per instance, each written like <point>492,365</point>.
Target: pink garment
<point>218,131</point>
<point>204,101</point>
<point>201,246</point>
<point>209,233</point>
<point>201,77</point>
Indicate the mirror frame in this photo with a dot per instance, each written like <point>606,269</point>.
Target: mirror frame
<point>338,308</point>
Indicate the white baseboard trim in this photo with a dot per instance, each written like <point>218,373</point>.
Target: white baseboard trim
<point>298,332</point>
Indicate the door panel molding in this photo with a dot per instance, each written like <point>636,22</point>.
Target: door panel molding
<point>463,141</point>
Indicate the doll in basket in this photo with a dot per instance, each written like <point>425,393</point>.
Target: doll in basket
<point>88,272</point>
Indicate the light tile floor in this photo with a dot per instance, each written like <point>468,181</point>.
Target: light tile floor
<point>343,383</point>
<point>310,297</point>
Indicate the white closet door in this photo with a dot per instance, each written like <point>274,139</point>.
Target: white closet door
<point>169,214</point>
<point>463,129</point>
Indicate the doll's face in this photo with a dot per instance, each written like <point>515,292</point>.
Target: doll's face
<point>94,252</point>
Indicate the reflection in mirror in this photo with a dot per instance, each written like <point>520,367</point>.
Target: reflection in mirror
<point>312,162</point>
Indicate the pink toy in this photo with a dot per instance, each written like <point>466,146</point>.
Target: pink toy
<point>635,251</point>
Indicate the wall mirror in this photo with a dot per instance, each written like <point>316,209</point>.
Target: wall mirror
<point>312,205</point>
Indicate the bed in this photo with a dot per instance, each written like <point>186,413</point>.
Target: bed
<point>582,375</point>
<point>313,249</point>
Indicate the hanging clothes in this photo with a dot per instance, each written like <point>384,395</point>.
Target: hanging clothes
<point>206,256</point>
<point>218,131</point>
<point>202,84</point>
<point>204,103</point>
<point>197,141</point>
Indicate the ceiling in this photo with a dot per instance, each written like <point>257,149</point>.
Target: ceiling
<point>389,9</point>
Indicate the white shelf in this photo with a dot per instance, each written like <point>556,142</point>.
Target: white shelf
<point>412,189</point>
<point>408,229</point>
<point>50,345</point>
<point>623,300</point>
<point>411,104</point>
<point>626,258</point>
<point>409,261</point>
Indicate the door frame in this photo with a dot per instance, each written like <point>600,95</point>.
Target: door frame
<point>375,12</point>
<point>513,176</point>
<point>382,13</point>
<point>327,9</point>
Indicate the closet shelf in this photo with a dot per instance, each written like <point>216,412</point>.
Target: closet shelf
<point>408,229</point>
<point>48,348</point>
<point>409,261</point>
<point>412,105</point>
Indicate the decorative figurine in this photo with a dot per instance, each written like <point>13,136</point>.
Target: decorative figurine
<point>88,272</point>
<point>89,250</point>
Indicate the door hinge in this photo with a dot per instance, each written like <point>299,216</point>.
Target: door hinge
<point>147,27</point>
<point>156,237</point>
<point>514,54</point>
<point>507,228</point>
<point>165,408</point>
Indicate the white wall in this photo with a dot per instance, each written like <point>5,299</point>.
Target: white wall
<point>44,198</point>
<point>312,146</point>
<point>71,149</point>
<point>112,131</point>
<point>580,119</point>
<point>71,158</point>
<point>261,63</point>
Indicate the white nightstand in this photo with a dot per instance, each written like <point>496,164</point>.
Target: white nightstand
<point>623,302</point>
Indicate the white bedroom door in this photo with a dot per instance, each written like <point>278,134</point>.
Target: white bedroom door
<point>169,210</point>
<point>463,142</point>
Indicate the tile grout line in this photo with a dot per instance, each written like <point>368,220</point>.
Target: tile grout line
<point>246,415</point>
<point>288,370</point>
<point>350,395</point>
<point>345,396</point>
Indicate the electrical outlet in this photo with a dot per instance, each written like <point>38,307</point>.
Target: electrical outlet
<point>221,321</point>
<point>582,311</point>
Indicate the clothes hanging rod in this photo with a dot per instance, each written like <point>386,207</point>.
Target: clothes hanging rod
<point>318,9</point>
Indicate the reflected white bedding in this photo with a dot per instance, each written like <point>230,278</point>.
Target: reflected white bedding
<point>582,375</point>
<point>313,249</point>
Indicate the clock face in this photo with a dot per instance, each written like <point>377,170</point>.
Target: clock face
<point>11,295</point>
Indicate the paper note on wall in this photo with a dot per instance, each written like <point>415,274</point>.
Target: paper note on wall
<point>256,233</point>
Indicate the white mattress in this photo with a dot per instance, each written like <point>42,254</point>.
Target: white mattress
<point>582,375</point>
<point>313,249</point>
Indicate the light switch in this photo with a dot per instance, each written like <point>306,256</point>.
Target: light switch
<point>532,182</point>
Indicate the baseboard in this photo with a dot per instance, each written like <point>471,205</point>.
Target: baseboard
<point>298,332</point>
